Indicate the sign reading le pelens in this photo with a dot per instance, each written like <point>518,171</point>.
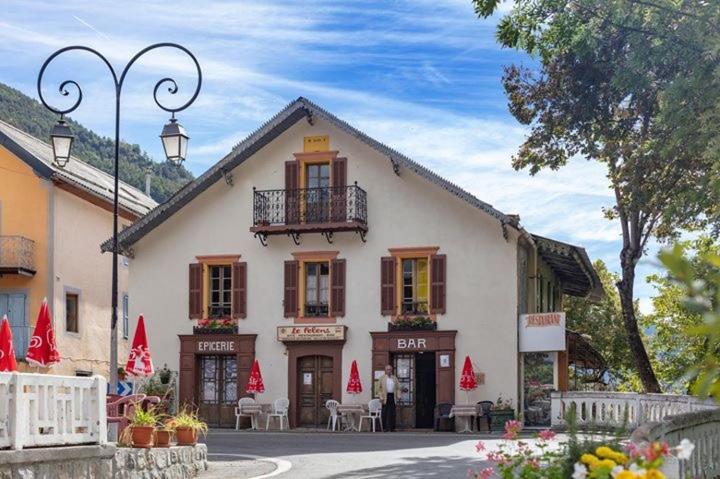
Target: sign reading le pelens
<point>542,332</point>
<point>311,333</point>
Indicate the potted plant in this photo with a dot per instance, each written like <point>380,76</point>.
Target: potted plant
<point>163,435</point>
<point>121,374</point>
<point>412,323</point>
<point>501,412</point>
<point>216,326</point>
<point>186,424</point>
<point>142,425</point>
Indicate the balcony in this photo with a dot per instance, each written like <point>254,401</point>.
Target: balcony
<point>309,210</point>
<point>17,255</point>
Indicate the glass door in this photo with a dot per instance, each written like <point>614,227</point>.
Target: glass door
<point>217,386</point>
<point>538,383</point>
<point>317,199</point>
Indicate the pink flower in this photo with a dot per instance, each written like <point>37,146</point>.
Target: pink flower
<point>494,456</point>
<point>480,446</point>
<point>546,435</point>
<point>512,428</point>
<point>486,473</point>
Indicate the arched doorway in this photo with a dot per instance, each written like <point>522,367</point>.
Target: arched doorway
<point>315,386</point>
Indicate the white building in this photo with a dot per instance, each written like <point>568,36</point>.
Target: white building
<point>315,238</point>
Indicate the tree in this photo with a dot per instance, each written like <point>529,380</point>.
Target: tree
<point>671,319</point>
<point>618,82</point>
<point>603,322</point>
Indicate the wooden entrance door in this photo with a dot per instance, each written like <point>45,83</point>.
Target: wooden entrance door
<point>315,386</point>
<point>217,389</point>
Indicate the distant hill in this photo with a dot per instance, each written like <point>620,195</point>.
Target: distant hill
<point>29,115</point>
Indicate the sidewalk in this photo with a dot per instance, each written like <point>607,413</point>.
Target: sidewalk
<point>236,468</point>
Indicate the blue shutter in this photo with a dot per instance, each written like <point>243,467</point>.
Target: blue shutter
<point>14,306</point>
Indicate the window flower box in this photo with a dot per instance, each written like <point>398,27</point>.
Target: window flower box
<point>216,326</point>
<point>409,323</point>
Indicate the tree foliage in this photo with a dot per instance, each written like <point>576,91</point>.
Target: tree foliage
<point>28,115</point>
<point>633,85</point>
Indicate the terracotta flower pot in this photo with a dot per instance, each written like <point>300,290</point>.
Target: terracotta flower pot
<point>142,436</point>
<point>162,438</point>
<point>186,436</point>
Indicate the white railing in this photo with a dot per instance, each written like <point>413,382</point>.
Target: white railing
<point>612,409</point>
<point>46,410</point>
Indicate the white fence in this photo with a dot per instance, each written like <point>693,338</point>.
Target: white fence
<point>610,409</point>
<point>45,410</point>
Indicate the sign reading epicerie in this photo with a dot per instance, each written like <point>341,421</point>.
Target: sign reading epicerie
<point>311,333</point>
<point>542,332</point>
<point>215,346</point>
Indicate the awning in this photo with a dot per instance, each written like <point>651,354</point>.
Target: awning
<point>582,354</point>
<point>572,266</point>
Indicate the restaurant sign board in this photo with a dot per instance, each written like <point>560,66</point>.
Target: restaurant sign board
<point>311,333</point>
<point>542,332</point>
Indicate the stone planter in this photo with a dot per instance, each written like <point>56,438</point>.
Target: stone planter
<point>500,417</point>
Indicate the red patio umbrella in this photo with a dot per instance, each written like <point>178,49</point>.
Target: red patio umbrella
<point>7,350</point>
<point>42,350</point>
<point>139,362</point>
<point>468,381</point>
<point>354,386</point>
<point>255,381</point>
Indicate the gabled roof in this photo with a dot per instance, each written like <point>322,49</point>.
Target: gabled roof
<point>573,267</point>
<point>291,114</point>
<point>39,156</point>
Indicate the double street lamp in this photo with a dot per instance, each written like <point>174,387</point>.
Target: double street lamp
<point>173,136</point>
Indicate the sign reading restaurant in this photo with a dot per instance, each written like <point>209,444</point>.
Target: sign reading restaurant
<point>542,332</point>
<point>311,333</point>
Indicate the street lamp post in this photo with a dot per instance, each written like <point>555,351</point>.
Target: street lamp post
<point>174,139</point>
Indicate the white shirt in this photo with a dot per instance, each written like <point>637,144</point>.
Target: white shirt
<point>389,385</point>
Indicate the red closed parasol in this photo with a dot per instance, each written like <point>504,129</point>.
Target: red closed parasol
<point>139,361</point>
<point>42,350</point>
<point>255,381</point>
<point>7,350</point>
<point>354,386</point>
<point>468,381</point>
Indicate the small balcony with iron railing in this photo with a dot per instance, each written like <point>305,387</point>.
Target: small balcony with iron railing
<point>325,210</point>
<point>17,256</point>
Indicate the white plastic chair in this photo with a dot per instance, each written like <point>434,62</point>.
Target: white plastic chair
<point>331,406</point>
<point>374,413</point>
<point>239,413</point>
<point>279,410</point>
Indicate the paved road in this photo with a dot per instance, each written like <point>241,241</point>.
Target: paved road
<point>320,455</point>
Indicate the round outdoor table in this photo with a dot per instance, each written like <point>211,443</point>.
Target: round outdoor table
<point>468,411</point>
<point>350,411</point>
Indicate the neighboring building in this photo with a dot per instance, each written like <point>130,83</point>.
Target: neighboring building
<point>51,223</point>
<point>317,240</point>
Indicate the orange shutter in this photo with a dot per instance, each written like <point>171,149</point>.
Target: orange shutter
<point>387,285</point>
<point>437,284</point>
<point>337,287</point>
<point>239,290</point>
<point>195,289</point>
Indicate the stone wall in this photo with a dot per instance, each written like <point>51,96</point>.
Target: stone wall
<point>177,462</point>
<point>100,462</point>
<point>70,462</point>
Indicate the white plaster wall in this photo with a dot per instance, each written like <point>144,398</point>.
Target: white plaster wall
<point>79,229</point>
<point>402,211</point>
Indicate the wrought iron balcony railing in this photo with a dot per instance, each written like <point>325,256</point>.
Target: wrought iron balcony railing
<point>323,210</point>
<point>17,255</point>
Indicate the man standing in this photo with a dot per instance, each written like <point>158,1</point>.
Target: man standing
<point>389,390</point>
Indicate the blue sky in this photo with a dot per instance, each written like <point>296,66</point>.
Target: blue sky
<point>420,75</point>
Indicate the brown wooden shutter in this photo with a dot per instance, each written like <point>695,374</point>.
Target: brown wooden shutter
<point>292,200</point>
<point>290,296</point>
<point>339,196</point>
<point>195,289</point>
<point>239,290</point>
<point>387,285</point>
<point>437,283</point>
<point>337,287</point>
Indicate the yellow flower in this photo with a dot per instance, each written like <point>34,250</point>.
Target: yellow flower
<point>654,474</point>
<point>588,459</point>
<point>608,464</point>
<point>604,452</point>
<point>626,475</point>
<point>620,458</point>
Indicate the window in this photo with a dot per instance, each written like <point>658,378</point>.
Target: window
<point>405,372</point>
<point>414,286</point>
<point>125,316</point>
<point>317,282</point>
<point>71,313</point>
<point>317,201</point>
<point>220,291</point>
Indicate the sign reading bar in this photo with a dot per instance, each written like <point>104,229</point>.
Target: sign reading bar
<point>542,332</point>
<point>215,346</point>
<point>311,333</point>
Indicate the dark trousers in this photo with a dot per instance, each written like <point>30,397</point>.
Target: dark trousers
<point>388,413</point>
